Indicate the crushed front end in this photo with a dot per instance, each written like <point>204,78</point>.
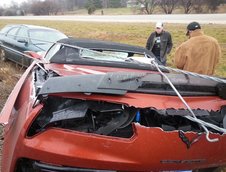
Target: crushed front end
<point>113,122</point>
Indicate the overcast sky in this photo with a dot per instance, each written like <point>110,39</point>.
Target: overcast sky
<point>5,3</point>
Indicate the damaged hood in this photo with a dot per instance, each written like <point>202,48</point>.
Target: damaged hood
<point>120,83</point>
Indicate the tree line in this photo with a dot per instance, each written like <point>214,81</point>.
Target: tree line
<point>55,7</point>
<point>168,6</point>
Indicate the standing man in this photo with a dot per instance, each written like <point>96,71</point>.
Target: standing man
<point>160,43</point>
<point>200,53</point>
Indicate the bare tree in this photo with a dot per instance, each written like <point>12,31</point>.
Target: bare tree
<point>14,5</point>
<point>187,5</point>
<point>213,5</point>
<point>26,7</point>
<point>1,11</point>
<point>199,6</point>
<point>37,8</point>
<point>71,5</point>
<point>149,5</point>
<point>46,7</point>
<point>123,3</point>
<point>52,6</point>
<point>105,3</point>
<point>168,5</point>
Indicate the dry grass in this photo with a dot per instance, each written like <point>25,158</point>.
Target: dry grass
<point>9,75</point>
<point>132,33</point>
<point>135,34</point>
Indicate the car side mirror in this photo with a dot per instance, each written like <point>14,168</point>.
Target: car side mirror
<point>22,41</point>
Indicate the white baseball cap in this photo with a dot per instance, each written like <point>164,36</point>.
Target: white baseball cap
<point>159,25</point>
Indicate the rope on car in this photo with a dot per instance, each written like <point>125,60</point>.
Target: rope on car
<point>161,67</point>
<point>195,74</point>
<point>158,67</point>
<point>193,118</point>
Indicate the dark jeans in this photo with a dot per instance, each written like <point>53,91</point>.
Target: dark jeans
<point>163,62</point>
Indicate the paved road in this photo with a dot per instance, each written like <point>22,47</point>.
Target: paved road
<point>173,18</point>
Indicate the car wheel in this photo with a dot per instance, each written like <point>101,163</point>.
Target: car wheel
<point>2,55</point>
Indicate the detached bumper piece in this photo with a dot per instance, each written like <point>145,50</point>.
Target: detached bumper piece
<point>26,165</point>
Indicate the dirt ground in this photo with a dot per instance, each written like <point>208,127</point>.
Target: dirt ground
<point>9,75</point>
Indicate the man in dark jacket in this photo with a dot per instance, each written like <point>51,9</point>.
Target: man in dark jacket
<point>160,43</point>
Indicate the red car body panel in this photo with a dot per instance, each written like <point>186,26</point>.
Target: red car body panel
<point>149,149</point>
<point>65,70</point>
<point>157,101</point>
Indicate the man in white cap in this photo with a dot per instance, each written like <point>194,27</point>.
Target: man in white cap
<point>160,43</point>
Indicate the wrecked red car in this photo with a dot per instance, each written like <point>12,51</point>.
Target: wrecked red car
<point>97,106</point>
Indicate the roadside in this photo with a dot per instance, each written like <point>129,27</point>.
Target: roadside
<point>135,34</point>
<point>173,18</point>
<point>9,75</point>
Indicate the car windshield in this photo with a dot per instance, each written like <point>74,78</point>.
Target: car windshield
<point>43,36</point>
<point>69,54</point>
<point>105,56</point>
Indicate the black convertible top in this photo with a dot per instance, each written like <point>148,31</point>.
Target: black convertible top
<point>106,45</point>
<point>66,56</point>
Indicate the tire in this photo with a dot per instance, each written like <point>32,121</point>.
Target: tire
<point>2,55</point>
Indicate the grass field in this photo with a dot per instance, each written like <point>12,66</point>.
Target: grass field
<point>132,33</point>
<point>136,10</point>
<point>106,11</point>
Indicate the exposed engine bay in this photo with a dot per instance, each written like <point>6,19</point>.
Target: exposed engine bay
<point>66,117</point>
<point>115,119</point>
<point>110,119</point>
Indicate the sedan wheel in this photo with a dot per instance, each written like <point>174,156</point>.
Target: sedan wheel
<point>2,55</point>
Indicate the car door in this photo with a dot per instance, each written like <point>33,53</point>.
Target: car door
<point>22,45</point>
<point>9,41</point>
